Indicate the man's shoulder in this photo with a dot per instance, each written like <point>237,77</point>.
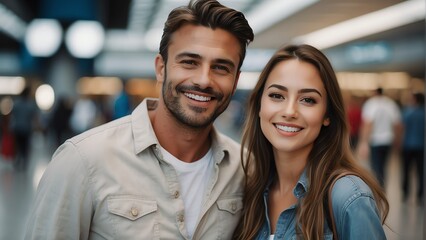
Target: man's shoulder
<point>102,132</point>
<point>95,146</point>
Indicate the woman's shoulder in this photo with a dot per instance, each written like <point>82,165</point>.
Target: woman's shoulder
<point>349,188</point>
<point>354,208</point>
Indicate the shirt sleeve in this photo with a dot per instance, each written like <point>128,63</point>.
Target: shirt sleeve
<point>367,111</point>
<point>361,221</point>
<point>62,208</point>
<point>355,210</point>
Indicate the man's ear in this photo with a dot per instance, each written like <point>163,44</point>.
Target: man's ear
<point>159,68</point>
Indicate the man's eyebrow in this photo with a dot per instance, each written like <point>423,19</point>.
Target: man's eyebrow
<point>197,56</point>
<point>188,54</point>
<point>304,90</point>
<point>226,62</point>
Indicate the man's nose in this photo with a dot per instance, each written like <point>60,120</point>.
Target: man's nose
<point>203,79</point>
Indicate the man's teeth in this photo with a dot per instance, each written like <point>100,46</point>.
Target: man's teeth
<point>288,129</point>
<point>198,97</point>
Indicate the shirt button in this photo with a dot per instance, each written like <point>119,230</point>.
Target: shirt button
<point>234,205</point>
<point>181,218</point>
<point>176,194</point>
<point>134,212</point>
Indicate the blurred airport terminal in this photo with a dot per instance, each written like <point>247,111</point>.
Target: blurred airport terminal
<point>87,62</point>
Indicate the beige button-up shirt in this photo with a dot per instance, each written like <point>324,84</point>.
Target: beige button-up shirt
<point>111,182</point>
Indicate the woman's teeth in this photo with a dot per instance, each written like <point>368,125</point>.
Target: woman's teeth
<point>287,128</point>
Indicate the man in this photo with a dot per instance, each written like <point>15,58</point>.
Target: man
<point>163,172</point>
<point>413,118</point>
<point>380,131</point>
<point>22,126</point>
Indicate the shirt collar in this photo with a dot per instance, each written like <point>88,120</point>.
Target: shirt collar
<point>144,134</point>
<point>302,186</point>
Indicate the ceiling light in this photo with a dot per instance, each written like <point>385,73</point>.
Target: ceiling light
<point>85,39</point>
<point>11,24</point>
<point>45,97</point>
<point>388,18</point>
<point>267,13</point>
<point>11,85</point>
<point>43,37</point>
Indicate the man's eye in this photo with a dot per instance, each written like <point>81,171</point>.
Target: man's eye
<point>221,68</point>
<point>189,62</point>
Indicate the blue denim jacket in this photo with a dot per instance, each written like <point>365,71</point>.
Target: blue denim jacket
<point>355,212</point>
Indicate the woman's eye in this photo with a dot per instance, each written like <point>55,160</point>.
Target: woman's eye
<point>276,96</point>
<point>309,100</point>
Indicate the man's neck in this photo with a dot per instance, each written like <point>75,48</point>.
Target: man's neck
<point>185,143</point>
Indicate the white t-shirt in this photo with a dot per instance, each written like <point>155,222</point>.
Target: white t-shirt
<point>384,113</point>
<point>193,179</point>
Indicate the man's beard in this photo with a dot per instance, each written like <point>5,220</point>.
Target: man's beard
<point>177,110</point>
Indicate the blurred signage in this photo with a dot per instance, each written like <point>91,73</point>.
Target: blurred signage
<point>375,52</point>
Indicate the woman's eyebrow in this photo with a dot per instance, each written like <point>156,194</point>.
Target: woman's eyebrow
<point>309,90</point>
<point>304,90</point>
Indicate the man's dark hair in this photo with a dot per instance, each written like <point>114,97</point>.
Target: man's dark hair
<point>208,13</point>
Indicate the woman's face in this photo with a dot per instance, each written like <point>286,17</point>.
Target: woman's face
<point>293,107</point>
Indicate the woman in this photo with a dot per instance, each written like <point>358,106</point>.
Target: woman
<point>298,137</point>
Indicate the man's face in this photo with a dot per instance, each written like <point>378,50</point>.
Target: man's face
<point>200,75</point>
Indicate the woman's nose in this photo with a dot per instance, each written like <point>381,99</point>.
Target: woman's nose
<point>290,109</point>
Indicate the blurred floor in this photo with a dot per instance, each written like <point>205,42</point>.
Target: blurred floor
<point>17,190</point>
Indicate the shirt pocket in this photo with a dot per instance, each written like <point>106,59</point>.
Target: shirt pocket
<point>231,205</point>
<point>229,215</point>
<point>133,216</point>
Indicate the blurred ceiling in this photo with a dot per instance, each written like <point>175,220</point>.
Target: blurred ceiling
<point>142,17</point>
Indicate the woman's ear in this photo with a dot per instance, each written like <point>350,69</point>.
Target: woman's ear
<point>326,122</point>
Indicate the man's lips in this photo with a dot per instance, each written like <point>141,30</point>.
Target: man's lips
<point>198,94</point>
<point>197,97</point>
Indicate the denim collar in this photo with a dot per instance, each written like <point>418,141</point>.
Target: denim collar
<point>302,186</point>
<point>299,191</point>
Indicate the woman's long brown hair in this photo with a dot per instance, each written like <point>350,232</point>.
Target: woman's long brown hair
<point>330,155</point>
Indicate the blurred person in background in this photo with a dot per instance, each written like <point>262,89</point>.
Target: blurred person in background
<point>83,115</point>
<point>60,120</point>
<point>381,131</point>
<point>122,103</point>
<point>298,139</point>
<point>413,117</point>
<point>22,123</point>
<point>355,119</point>
<point>7,141</point>
<point>163,172</point>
